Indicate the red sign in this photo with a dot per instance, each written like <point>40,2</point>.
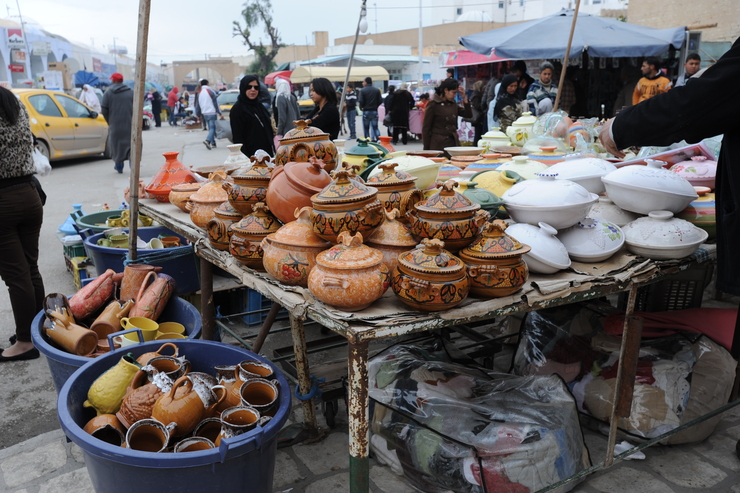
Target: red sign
<point>17,67</point>
<point>97,65</point>
<point>464,57</point>
<point>15,38</point>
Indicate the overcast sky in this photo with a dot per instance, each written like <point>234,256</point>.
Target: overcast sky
<point>188,29</point>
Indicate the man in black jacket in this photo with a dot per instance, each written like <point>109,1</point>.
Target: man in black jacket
<point>350,101</point>
<point>694,112</point>
<point>369,100</point>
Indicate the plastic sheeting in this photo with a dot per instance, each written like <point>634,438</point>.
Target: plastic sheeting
<point>449,426</point>
<point>679,377</point>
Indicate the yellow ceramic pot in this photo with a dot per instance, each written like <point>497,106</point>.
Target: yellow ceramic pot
<point>108,390</point>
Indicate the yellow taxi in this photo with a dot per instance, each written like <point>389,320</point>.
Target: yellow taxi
<point>226,100</point>
<point>65,127</point>
<point>305,105</point>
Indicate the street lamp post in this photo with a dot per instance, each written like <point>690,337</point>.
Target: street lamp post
<point>361,27</point>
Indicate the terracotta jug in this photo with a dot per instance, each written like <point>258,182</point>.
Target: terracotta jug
<point>172,172</point>
<point>107,428</point>
<point>90,298</point>
<point>134,276</point>
<point>228,378</point>
<point>171,366</point>
<point>152,299</point>
<point>144,359</point>
<point>109,321</point>
<point>107,391</point>
<point>141,395</point>
<point>181,405</point>
<point>73,338</point>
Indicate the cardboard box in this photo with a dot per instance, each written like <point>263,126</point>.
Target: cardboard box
<point>63,67</point>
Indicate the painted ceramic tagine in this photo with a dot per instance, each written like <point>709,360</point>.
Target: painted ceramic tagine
<point>350,275</point>
<point>494,262</point>
<point>303,142</point>
<point>660,236</point>
<point>250,185</point>
<point>290,253</point>
<point>247,236</point>
<point>396,189</point>
<point>218,227</point>
<point>429,278</point>
<point>202,203</point>
<point>392,238</point>
<point>592,240</point>
<point>293,185</point>
<point>449,216</point>
<point>180,194</point>
<point>172,173</point>
<point>345,205</point>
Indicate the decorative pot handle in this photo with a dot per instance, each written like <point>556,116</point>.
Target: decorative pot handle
<point>477,270</point>
<point>224,394</point>
<point>335,282</point>
<point>228,186</point>
<point>144,285</point>
<point>410,198</point>
<point>420,284</point>
<point>369,210</point>
<point>189,205</point>
<point>481,217</point>
<point>168,344</point>
<point>411,216</point>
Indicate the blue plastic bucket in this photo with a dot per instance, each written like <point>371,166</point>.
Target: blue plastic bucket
<point>245,463</point>
<point>63,364</point>
<point>183,267</point>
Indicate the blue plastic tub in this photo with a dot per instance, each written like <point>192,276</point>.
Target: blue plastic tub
<point>63,364</point>
<point>245,463</point>
<point>183,268</point>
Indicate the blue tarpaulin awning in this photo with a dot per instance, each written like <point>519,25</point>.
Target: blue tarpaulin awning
<point>598,36</point>
<point>82,78</point>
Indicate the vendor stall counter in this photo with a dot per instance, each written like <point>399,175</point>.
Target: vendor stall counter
<point>388,317</point>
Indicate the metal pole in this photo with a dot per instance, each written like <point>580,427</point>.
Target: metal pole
<point>25,40</point>
<point>304,377</point>
<point>359,448</point>
<point>207,308</point>
<point>421,49</point>
<point>351,58</point>
<point>567,56</point>
<point>136,122</point>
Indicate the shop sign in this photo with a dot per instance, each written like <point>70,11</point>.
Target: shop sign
<point>41,48</point>
<point>97,65</point>
<point>17,67</point>
<point>18,56</point>
<point>15,38</point>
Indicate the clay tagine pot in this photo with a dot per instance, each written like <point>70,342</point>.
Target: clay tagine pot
<point>202,203</point>
<point>350,275</point>
<point>396,189</point>
<point>392,238</point>
<point>290,253</point>
<point>293,185</point>
<point>448,216</point>
<point>172,173</point>
<point>304,142</point>
<point>180,194</point>
<point>429,278</point>
<point>218,227</point>
<point>494,262</point>
<point>345,205</point>
<point>247,236</point>
<point>250,185</point>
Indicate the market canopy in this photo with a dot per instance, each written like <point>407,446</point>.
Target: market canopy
<point>463,58</point>
<point>599,36</point>
<point>283,74</point>
<point>82,77</point>
<point>304,75</point>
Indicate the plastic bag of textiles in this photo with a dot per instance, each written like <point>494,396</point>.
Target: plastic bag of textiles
<point>679,377</point>
<point>447,425</point>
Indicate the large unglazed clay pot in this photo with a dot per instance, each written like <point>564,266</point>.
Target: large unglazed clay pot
<point>293,185</point>
<point>202,203</point>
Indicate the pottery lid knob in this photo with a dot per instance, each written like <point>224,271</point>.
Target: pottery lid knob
<point>315,162</point>
<point>432,246</point>
<point>446,188</point>
<point>260,207</point>
<point>301,124</point>
<point>341,175</point>
<point>346,239</point>
<point>392,215</point>
<point>654,163</point>
<point>261,160</point>
<point>303,215</point>
<point>388,167</point>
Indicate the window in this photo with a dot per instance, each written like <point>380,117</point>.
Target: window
<point>459,11</point>
<point>44,105</point>
<point>73,108</point>
<point>500,4</point>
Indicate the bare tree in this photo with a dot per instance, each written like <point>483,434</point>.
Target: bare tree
<point>256,13</point>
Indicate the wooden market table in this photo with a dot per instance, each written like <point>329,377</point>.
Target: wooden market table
<point>388,317</point>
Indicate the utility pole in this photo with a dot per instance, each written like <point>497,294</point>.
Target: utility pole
<point>421,48</point>
<point>25,40</point>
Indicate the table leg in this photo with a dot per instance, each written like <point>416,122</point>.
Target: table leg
<point>266,326</point>
<point>359,448</point>
<point>207,309</point>
<point>304,376</point>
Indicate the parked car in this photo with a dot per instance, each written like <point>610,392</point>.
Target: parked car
<point>305,105</point>
<point>64,126</point>
<point>226,100</point>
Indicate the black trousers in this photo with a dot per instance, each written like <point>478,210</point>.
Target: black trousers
<point>404,135</point>
<point>21,215</point>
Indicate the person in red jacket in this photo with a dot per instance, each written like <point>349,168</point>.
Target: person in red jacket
<point>172,106</point>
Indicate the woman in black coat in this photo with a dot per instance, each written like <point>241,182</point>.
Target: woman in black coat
<point>325,115</point>
<point>250,122</point>
<point>401,104</point>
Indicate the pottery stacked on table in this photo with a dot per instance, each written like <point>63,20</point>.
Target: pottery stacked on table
<point>249,185</point>
<point>304,142</point>
<point>202,203</point>
<point>172,173</point>
<point>396,189</point>
<point>292,185</point>
<point>246,236</point>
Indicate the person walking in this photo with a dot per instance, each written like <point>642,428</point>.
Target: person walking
<point>542,93</point>
<point>653,81</point>
<point>156,99</point>
<point>325,115</point>
<point>508,106</point>
<point>206,106</point>
<point>21,215</point>
<point>285,109</point>
<point>350,102</point>
<point>250,121</point>
<point>172,102</point>
<point>369,101</point>
<point>117,109</point>
<point>439,129</point>
<point>89,97</point>
<point>401,104</point>
<point>387,104</point>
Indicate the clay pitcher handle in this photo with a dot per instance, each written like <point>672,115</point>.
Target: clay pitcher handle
<point>189,206</point>
<point>127,306</point>
<point>228,186</point>
<point>370,210</point>
<point>481,217</point>
<point>144,285</point>
<point>169,344</point>
<point>411,216</point>
<point>409,199</point>
<point>182,381</point>
<point>224,394</point>
<point>335,282</point>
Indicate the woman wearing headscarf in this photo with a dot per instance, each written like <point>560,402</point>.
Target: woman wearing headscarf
<point>325,115</point>
<point>401,104</point>
<point>508,106</point>
<point>479,114</point>
<point>21,215</point>
<point>284,109</point>
<point>89,97</point>
<point>250,121</point>
<point>440,117</point>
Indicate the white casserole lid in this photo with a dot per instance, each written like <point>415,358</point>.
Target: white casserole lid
<point>547,191</point>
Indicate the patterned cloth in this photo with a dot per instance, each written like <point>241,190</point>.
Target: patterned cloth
<point>537,94</point>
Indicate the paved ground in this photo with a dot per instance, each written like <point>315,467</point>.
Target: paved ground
<point>35,456</point>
